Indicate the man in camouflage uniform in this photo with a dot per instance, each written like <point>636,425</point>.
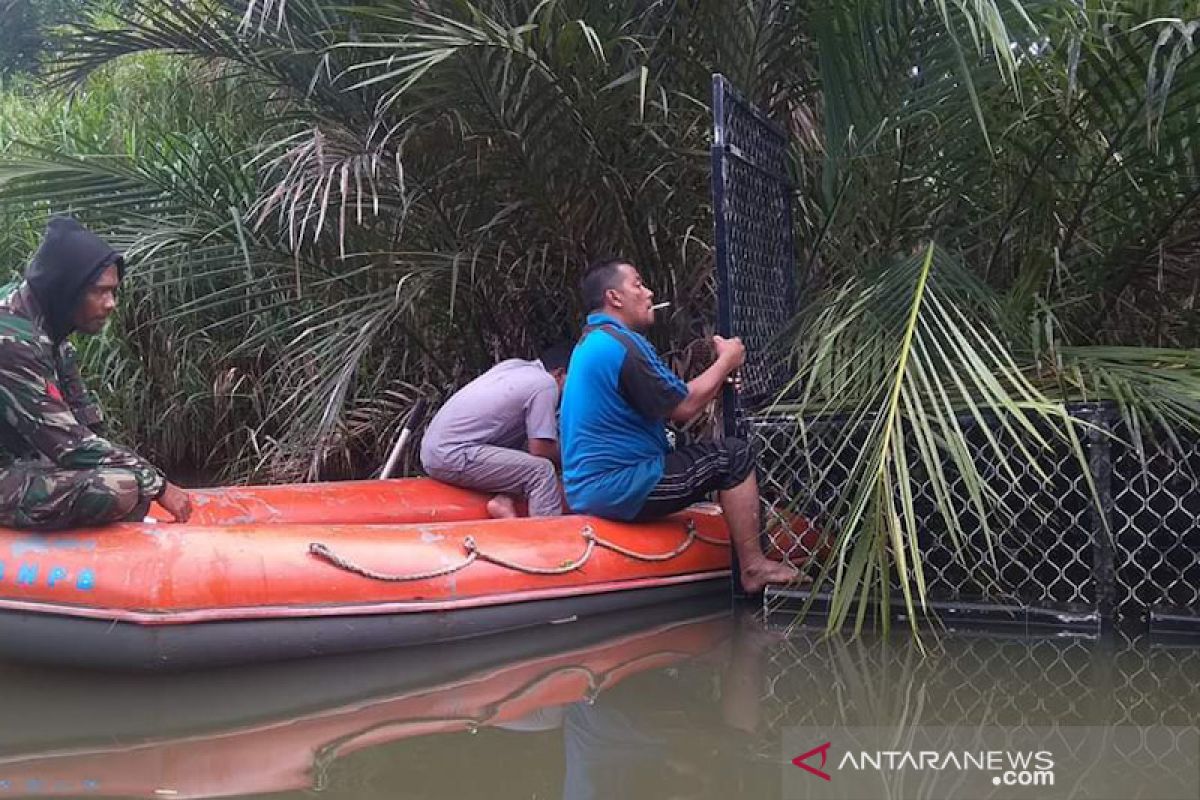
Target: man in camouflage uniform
<point>56,471</point>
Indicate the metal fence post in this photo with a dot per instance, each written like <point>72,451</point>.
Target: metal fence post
<point>1098,442</point>
<point>729,400</point>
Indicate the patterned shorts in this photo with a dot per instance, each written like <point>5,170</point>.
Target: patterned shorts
<point>692,473</point>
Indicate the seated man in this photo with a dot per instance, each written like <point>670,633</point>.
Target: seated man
<point>56,471</point>
<point>617,463</point>
<point>475,439</point>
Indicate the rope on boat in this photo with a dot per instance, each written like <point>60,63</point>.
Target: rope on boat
<point>322,551</point>
<point>474,553</point>
<point>691,528</point>
<point>589,536</point>
<point>684,545</point>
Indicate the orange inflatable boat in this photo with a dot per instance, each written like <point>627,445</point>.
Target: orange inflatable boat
<point>266,573</point>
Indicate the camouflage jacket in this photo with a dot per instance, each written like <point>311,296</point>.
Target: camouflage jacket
<point>46,411</point>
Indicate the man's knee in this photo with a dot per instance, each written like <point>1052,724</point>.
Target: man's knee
<point>542,472</point>
<point>741,460</point>
<point>739,448</point>
<point>35,497</point>
<point>542,489</point>
<point>111,495</point>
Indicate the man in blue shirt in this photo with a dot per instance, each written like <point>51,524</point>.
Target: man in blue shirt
<point>618,395</point>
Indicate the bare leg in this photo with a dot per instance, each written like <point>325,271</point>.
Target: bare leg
<point>501,507</point>
<point>740,506</point>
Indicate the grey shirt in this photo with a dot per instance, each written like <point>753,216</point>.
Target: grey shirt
<point>513,401</point>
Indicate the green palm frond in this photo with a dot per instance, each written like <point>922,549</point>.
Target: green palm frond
<point>907,361</point>
<point>353,206</point>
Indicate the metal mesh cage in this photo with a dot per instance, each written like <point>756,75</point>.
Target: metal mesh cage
<point>1039,555</point>
<point>1053,554</point>
<point>1058,555</point>
<point>756,259</point>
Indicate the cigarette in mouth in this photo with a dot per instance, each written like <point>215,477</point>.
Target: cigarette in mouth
<point>659,306</point>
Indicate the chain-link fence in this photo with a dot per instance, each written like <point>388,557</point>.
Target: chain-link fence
<point>1046,550</point>
<point>1022,558</point>
<point>1153,505</point>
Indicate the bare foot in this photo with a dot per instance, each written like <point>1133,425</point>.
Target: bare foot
<point>757,575</point>
<point>501,507</point>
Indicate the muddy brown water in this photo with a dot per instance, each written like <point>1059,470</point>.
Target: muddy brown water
<point>683,701</point>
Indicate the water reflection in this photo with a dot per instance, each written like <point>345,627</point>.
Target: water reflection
<point>986,679</point>
<point>683,701</point>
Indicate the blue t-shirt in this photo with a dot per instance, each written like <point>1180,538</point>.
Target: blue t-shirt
<point>614,406</point>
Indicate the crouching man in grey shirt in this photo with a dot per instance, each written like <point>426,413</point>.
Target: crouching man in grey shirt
<point>499,434</point>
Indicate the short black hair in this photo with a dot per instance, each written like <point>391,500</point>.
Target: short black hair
<point>556,356</point>
<point>601,275</point>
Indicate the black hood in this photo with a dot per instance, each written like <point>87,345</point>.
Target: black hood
<point>69,260</point>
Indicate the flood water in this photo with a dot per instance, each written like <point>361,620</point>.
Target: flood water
<point>680,701</point>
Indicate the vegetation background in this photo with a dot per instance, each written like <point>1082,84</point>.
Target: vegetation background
<point>332,209</point>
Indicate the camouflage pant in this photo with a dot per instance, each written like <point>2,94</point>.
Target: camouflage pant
<point>37,496</point>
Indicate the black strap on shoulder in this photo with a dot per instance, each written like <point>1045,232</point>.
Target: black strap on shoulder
<point>617,333</point>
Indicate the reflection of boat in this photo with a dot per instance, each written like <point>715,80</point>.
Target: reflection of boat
<point>286,571</point>
<point>266,729</point>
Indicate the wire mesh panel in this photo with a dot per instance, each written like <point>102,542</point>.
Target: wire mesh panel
<point>1155,513</point>
<point>756,259</point>
<point>1020,553</point>
<point>1129,554</point>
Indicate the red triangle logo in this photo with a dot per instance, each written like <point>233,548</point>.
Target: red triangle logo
<point>800,759</point>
